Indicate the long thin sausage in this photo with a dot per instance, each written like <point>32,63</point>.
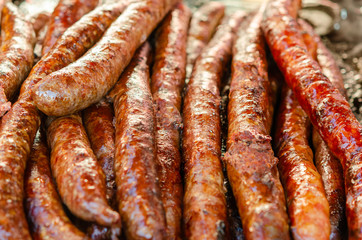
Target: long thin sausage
<point>203,25</point>
<point>138,193</point>
<point>204,199</point>
<point>326,107</point>
<point>43,206</point>
<point>250,162</point>
<point>167,81</point>
<point>87,80</point>
<point>16,53</point>
<point>64,15</point>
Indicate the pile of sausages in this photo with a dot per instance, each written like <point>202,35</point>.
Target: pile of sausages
<point>111,125</point>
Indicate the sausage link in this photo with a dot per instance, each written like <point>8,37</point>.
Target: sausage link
<point>64,15</point>
<point>326,107</point>
<point>43,206</point>
<point>79,38</point>
<point>79,178</point>
<point>16,53</point>
<point>204,199</point>
<point>138,193</point>
<point>203,25</point>
<point>167,81</point>
<point>250,162</point>
<point>39,21</point>
<point>87,80</point>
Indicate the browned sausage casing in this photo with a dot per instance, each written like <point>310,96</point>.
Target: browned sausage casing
<point>168,77</point>
<point>80,179</point>
<point>250,162</point>
<point>43,206</point>
<point>205,213</point>
<point>16,53</point>
<point>326,107</point>
<point>64,15</point>
<point>138,193</point>
<point>87,80</point>
<point>203,25</point>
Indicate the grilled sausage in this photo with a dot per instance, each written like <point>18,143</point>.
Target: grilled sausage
<point>64,15</point>
<point>326,107</point>
<point>87,80</point>
<point>43,206</point>
<point>249,159</point>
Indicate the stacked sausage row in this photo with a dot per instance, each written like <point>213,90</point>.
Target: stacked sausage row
<point>100,118</point>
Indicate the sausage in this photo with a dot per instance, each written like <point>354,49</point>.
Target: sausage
<point>64,15</point>
<point>43,206</point>
<point>80,180</point>
<point>327,165</point>
<point>167,82</point>
<point>326,107</point>
<point>249,159</point>
<point>138,193</point>
<point>87,80</point>
<point>16,53</point>
<point>39,21</point>
<point>79,38</point>
<point>204,200</point>
<point>202,26</point>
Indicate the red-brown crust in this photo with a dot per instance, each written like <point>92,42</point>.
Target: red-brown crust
<point>205,213</point>
<point>87,80</point>
<point>250,162</point>
<point>138,193</point>
<point>202,26</point>
<point>64,15</point>
<point>325,105</point>
<point>44,209</point>
<point>80,179</point>
<point>79,38</point>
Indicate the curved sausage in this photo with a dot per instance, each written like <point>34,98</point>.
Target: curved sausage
<point>326,107</point>
<point>167,81</point>
<point>87,80</point>
<point>75,41</point>
<point>80,180</point>
<point>204,199</point>
<point>16,53</point>
<point>138,193</point>
<point>64,15</point>
<point>202,26</point>
<point>249,159</point>
<point>43,206</point>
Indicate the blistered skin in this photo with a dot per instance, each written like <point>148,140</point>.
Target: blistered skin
<point>202,26</point>
<point>326,107</point>
<point>327,165</point>
<point>138,193</point>
<point>308,207</point>
<point>87,80</point>
<point>79,177</point>
<point>16,53</point>
<point>44,209</point>
<point>167,81</point>
<point>205,213</point>
<point>250,162</point>
<point>75,41</point>
<point>64,15</point>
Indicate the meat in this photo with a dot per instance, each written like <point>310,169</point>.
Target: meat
<point>204,199</point>
<point>80,179</point>
<point>138,193</point>
<point>43,206</point>
<point>203,25</point>
<point>16,53</point>
<point>249,159</point>
<point>87,80</point>
<point>39,21</point>
<point>326,107</point>
<point>79,38</point>
<point>64,15</point>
